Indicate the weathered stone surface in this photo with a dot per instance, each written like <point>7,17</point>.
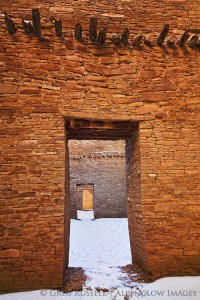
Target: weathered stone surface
<point>43,83</point>
<point>10,253</point>
<point>6,88</point>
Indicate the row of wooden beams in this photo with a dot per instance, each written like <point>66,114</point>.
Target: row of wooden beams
<point>99,130</point>
<point>34,27</point>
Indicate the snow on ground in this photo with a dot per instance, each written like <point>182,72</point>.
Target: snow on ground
<point>99,241</point>
<point>85,214</point>
<point>169,288</point>
<point>100,246</point>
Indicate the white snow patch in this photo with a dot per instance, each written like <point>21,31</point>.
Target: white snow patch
<point>85,214</point>
<point>99,242</point>
<point>169,288</point>
<point>100,246</point>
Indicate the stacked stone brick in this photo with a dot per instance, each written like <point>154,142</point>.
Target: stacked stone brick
<point>43,83</point>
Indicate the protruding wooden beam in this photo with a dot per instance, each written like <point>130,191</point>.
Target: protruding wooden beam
<point>183,38</point>
<point>10,25</point>
<point>28,26</point>
<point>125,36</point>
<point>116,40</point>
<point>198,43</point>
<point>171,43</point>
<point>58,28</point>
<point>36,22</point>
<point>193,41</point>
<point>93,29</point>
<point>138,39</point>
<point>102,36</point>
<point>148,41</point>
<point>78,32</point>
<point>161,37</point>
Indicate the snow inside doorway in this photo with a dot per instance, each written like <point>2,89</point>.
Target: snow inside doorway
<point>100,241</point>
<point>85,214</point>
<point>99,237</point>
<point>100,247</point>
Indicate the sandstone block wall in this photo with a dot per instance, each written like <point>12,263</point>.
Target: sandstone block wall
<point>43,83</point>
<point>102,164</point>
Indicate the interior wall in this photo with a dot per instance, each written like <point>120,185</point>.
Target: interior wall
<point>101,163</point>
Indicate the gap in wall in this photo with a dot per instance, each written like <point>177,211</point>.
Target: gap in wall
<point>98,174</point>
<point>78,132</point>
<point>98,198</point>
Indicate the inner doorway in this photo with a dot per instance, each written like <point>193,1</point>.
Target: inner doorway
<point>83,200</point>
<point>87,199</point>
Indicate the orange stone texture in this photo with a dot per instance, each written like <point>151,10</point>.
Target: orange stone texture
<point>44,81</point>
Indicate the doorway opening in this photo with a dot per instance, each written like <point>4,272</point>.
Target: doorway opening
<point>87,199</point>
<point>84,201</point>
<point>79,132</point>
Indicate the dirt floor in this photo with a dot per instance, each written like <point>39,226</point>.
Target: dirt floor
<point>76,278</point>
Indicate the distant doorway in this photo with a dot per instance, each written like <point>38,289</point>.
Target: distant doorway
<point>85,196</point>
<point>87,199</point>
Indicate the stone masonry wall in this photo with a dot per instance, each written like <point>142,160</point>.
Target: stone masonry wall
<point>42,83</point>
<point>135,201</point>
<point>103,165</point>
<point>170,195</point>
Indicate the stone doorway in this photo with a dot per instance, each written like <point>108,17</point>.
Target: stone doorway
<point>79,129</point>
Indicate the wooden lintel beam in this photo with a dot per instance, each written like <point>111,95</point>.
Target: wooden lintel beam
<point>10,25</point>
<point>161,37</point>
<point>98,135</point>
<point>101,125</point>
